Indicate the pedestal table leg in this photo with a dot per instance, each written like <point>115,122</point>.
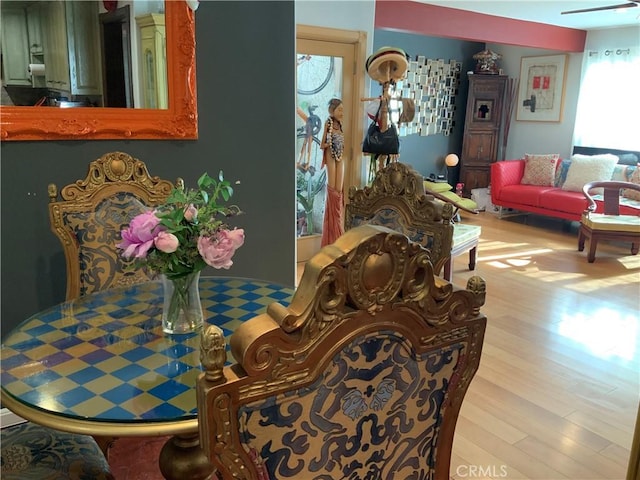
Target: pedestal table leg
<point>181,458</point>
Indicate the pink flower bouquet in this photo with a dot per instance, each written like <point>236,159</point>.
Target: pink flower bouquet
<point>187,233</point>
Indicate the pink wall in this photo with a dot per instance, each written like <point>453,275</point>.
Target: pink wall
<point>436,21</point>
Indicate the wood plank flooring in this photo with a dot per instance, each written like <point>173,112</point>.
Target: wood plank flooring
<point>557,391</point>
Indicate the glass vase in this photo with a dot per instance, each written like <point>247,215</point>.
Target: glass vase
<point>182,310</point>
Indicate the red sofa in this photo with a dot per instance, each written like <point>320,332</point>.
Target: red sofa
<point>507,192</point>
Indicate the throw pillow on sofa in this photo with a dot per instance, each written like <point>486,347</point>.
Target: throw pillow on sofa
<point>635,178</point>
<point>561,172</point>
<point>540,169</point>
<point>589,168</point>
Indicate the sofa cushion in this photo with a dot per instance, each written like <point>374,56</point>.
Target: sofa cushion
<point>561,172</point>
<point>622,173</point>
<point>540,169</point>
<point>628,159</point>
<point>635,178</point>
<point>523,194</point>
<point>612,223</point>
<point>563,201</point>
<point>588,168</point>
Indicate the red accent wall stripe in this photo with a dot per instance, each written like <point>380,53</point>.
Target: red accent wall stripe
<point>437,21</point>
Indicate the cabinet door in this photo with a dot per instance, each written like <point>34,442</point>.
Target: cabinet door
<point>475,177</point>
<point>56,57</point>
<point>154,60</point>
<point>34,28</point>
<point>85,63</point>
<point>479,147</point>
<point>15,47</point>
<point>484,104</point>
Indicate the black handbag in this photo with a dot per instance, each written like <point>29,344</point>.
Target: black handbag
<point>381,143</point>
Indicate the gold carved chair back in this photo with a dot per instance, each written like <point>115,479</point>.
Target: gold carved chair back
<point>361,376</point>
<point>88,215</point>
<point>396,199</point>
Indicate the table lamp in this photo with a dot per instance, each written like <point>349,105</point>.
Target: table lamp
<point>451,160</point>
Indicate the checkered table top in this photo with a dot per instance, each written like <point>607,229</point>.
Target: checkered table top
<point>104,356</point>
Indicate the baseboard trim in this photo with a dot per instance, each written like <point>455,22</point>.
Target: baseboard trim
<point>8,418</point>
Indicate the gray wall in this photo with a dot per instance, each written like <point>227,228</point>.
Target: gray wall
<point>426,154</point>
<point>246,111</point>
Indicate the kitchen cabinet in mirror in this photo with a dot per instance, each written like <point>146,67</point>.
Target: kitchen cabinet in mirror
<point>173,116</point>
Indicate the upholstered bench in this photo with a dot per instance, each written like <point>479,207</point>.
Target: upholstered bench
<point>465,239</point>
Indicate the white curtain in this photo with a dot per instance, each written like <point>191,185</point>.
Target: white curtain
<point>608,114</point>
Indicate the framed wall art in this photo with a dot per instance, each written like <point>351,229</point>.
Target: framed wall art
<point>541,89</point>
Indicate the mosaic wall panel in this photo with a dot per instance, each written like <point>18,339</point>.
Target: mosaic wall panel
<point>433,84</point>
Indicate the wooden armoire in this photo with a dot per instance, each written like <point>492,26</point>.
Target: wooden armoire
<point>481,129</point>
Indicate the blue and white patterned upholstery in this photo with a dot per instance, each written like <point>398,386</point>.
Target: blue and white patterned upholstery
<point>88,215</point>
<point>362,376</point>
<point>32,452</point>
<point>375,405</point>
<point>97,232</point>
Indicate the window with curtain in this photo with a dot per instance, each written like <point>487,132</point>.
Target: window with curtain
<point>609,100</point>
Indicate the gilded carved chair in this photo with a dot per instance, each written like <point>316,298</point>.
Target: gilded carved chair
<point>88,215</point>
<point>609,225</point>
<point>397,199</point>
<point>361,376</point>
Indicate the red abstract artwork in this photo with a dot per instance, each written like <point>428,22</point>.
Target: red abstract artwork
<point>536,82</point>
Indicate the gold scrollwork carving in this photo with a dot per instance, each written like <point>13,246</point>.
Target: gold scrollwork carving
<point>115,167</point>
<point>369,268</point>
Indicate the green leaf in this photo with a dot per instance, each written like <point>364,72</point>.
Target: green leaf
<point>202,181</point>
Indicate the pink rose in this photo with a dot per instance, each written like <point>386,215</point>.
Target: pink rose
<point>191,213</point>
<point>218,250</point>
<point>166,242</point>
<point>138,238</point>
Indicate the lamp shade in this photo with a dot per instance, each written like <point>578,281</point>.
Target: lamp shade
<point>451,160</point>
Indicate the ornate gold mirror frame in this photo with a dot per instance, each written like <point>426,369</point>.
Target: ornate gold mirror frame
<point>179,121</point>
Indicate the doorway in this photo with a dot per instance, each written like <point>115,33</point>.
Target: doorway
<point>326,68</point>
<point>116,58</point>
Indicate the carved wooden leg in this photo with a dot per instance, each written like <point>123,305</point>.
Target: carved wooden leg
<point>581,239</point>
<point>634,248</point>
<point>448,269</point>
<point>472,258</point>
<point>591,257</point>
<point>181,458</point>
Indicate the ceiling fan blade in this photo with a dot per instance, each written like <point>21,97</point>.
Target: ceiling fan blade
<point>596,9</point>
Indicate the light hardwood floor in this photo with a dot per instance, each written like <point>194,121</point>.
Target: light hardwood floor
<point>556,394</point>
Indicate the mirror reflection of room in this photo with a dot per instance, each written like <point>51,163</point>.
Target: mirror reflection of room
<point>80,53</point>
